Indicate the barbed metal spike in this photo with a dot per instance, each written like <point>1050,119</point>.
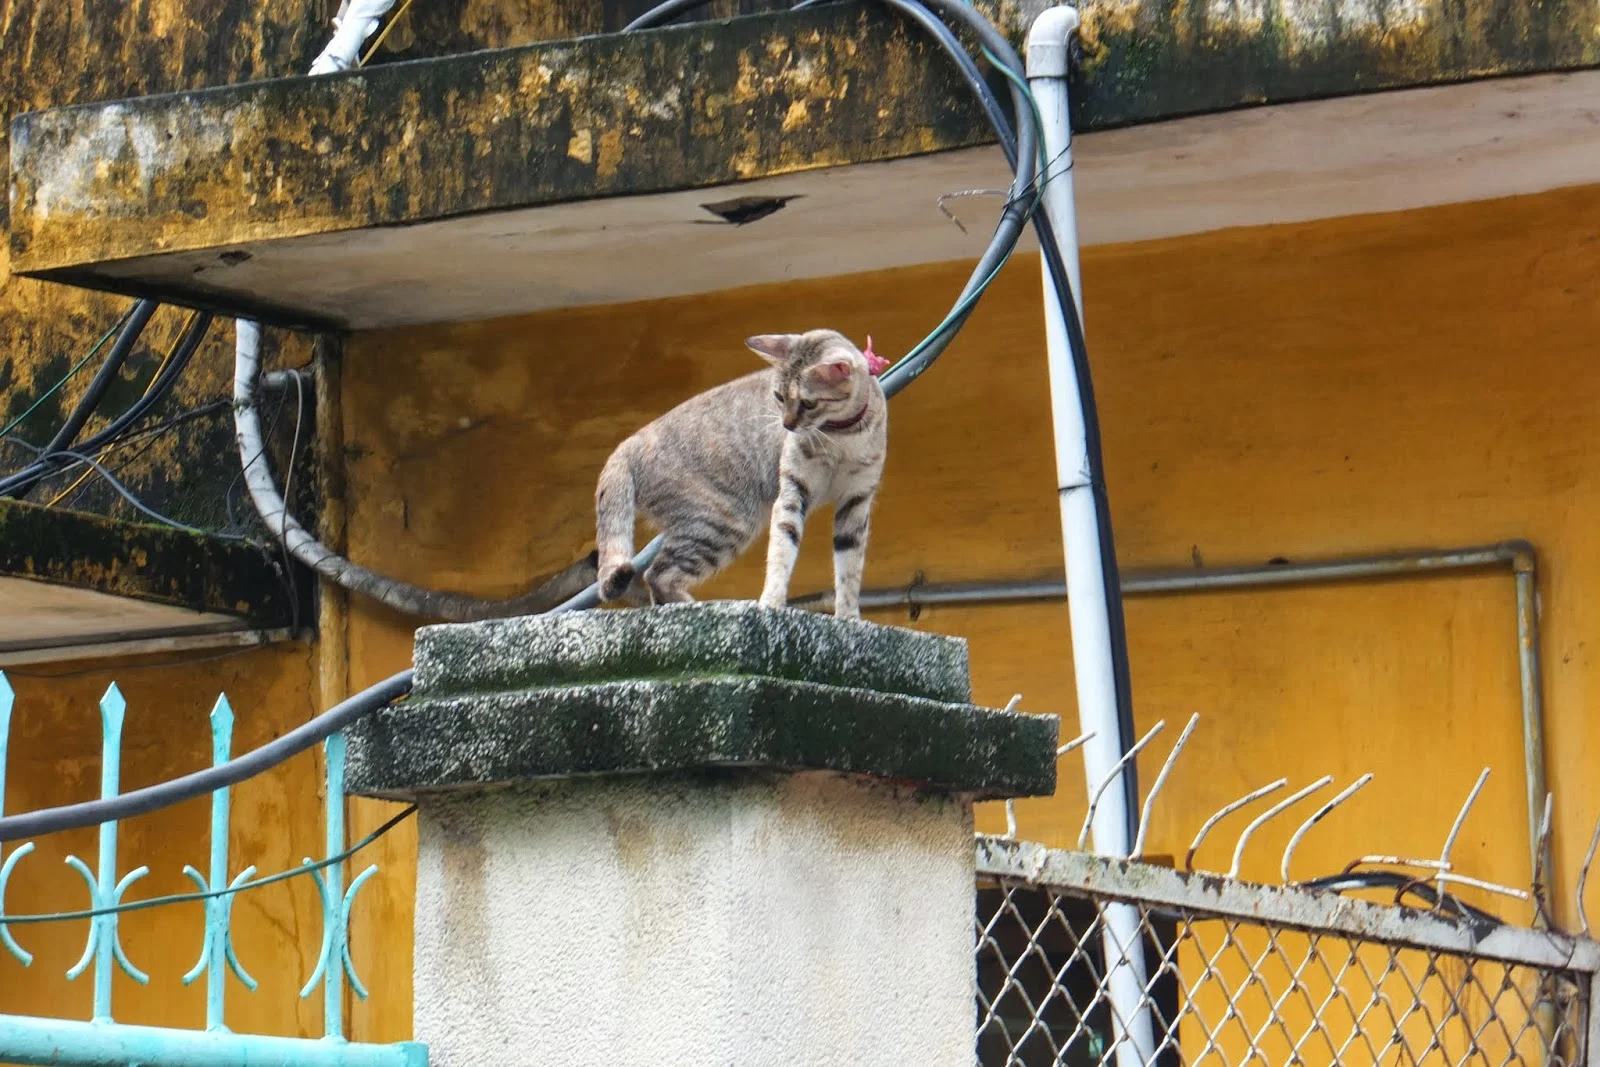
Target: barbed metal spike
<point>1223,813</point>
<point>1479,883</point>
<point>1461,818</point>
<point>1094,801</point>
<point>1395,861</point>
<point>1583,877</point>
<point>1541,850</point>
<point>1161,780</point>
<point>959,193</point>
<point>1322,813</point>
<point>1076,743</point>
<point>1271,813</point>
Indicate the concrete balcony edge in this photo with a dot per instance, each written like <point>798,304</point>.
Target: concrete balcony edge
<point>72,579</point>
<point>171,196</point>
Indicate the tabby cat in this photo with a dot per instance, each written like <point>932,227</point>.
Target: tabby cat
<point>764,450</point>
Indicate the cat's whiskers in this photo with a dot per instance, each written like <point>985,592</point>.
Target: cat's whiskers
<point>817,433</point>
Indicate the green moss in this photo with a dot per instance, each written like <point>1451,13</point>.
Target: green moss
<point>682,642</point>
<point>668,727</point>
<point>143,562</point>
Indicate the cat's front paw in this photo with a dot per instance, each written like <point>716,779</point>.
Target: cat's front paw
<point>774,600</point>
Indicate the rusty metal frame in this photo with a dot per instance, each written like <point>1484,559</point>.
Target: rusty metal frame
<point>1519,557</point>
<point>1287,906</point>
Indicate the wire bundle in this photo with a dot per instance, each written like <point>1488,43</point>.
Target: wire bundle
<point>64,451</point>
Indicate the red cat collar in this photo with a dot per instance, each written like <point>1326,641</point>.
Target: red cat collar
<point>845,424</point>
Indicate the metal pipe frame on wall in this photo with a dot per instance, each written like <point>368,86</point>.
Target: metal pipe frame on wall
<point>1518,556</point>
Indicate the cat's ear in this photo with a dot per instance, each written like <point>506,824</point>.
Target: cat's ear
<point>831,372</point>
<point>773,347</point>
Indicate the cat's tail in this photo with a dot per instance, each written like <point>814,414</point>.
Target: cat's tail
<point>614,516</point>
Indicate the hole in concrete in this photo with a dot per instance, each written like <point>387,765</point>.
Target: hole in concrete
<point>746,209</point>
<point>233,259</point>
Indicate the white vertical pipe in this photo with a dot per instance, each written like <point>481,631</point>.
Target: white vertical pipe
<point>1080,529</point>
<point>357,20</point>
<point>1048,65</point>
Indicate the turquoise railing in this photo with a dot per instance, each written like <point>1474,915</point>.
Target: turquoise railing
<point>101,1040</point>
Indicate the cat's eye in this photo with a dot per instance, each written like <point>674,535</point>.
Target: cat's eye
<point>778,397</point>
<point>807,405</point>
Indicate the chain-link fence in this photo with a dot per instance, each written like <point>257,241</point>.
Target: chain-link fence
<point>1210,970</point>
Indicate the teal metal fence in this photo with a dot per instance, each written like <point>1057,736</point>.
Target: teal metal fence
<point>102,1040</point>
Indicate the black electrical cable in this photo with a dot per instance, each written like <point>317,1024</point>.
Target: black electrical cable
<point>127,494</point>
<point>147,438</point>
<point>662,14</point>
<point>50,461</point>
<point>221,776</point>
<point>81,413</point>
<point>1060,280</point>
<point>187,345</point>
<point>1412,885</point>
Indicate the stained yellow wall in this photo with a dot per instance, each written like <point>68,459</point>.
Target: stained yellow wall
<point>1349,386</point>
<point>277,818</point>
<point>1352,386</point>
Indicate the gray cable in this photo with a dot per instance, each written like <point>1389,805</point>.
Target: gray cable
<point>126,493</point>
<point>201,783</point>
<point>342,571</point>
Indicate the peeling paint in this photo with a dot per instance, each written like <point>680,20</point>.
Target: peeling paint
<point>581,146</point>
<point>610,157</point>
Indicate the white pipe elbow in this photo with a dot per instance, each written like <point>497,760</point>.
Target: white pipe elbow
<point>1050,41</point>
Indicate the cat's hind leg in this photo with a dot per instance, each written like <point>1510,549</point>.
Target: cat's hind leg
<point>689,555</point>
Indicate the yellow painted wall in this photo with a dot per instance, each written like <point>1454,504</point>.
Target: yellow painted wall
<point>277,819</point>
<point>1351,386</point>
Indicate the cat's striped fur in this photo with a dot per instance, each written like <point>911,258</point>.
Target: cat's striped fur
<point>762,451</point>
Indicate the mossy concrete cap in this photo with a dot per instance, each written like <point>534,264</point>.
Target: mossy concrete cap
<point>695,687</point>
<point>684,640</point>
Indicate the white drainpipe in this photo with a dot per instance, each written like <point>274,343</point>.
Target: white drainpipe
<point>1049,62</point>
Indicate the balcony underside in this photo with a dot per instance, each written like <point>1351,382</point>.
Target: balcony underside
<point>73,585</point>
<point>1354,155</point>
<point>760,150</point>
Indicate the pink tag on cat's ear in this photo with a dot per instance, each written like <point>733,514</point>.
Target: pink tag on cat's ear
<point>876,364</point>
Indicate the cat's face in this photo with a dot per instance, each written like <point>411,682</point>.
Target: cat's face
<point>819,374</point>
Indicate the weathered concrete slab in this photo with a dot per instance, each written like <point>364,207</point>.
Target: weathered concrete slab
<point>189,196</point>
<point>720,639</point>
<point>694,688</point>
<point>121,576</point>
<point>488,131</point>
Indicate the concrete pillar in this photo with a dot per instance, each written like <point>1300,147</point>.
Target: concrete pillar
<point>706,834</point>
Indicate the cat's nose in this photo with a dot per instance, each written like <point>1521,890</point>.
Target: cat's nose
<point>790,421</point>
